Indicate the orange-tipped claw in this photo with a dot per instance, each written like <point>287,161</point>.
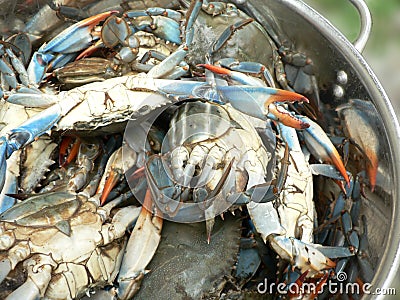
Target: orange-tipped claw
<point>341,186</point>
<point>216,69</point>
<point>76,36</point>
<point>139,173</point>
<point>284,117</point>
<point>66,141</point>
<point>302,278</point>
<point>295,292</point>
<point>320,286</point>
<point>65,158</point>
<point>285,96</point>
<point>322,148</point>
<point>330,264</point>
<point>94,20</point>
<point>335,159</point>
<point>90,50</point>
<point>372,167</point>
<point>112,180</point>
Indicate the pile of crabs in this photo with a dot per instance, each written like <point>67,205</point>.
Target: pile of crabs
<point>173,151</point>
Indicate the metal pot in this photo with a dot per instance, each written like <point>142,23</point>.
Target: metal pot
<point>331,53</point>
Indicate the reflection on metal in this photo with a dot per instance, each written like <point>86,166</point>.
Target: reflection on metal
<point>366,24</point>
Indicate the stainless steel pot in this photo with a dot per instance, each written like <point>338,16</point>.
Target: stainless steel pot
<point>331,53</point>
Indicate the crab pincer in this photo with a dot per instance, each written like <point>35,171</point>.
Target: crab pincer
<point>260,102</point>
<point>358,117</point>
<point>115,170</point>
<point>31,129</point>
<point>140,249</point>
<point>70,41</point>
<point>64,157</point>
<point>235,75</point>
<point>253,96</point>
<point>322,148</point>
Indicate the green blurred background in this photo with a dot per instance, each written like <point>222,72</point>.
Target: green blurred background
<point>383,48</point>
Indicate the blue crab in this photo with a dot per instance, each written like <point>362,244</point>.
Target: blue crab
<point>106,107</point>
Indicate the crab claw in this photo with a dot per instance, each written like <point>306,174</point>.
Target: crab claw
<point>281,115</point>
<point>65,158</point>
<point>25,134</point>
<point>307,257</point>
<point>31,129</point>
<point>90,50</point>
<point>256,101</point>
<point>139,251</point>
<point>276,112</point>
<point>320,286</point>
<point>112,180</point>
<point>322,148</point>
<point>73,39</point>
<point>122,157</point>
<point>360,122</point>
<point>295,292</point>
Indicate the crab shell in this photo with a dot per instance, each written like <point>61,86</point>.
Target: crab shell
<point>91,249</point>
<point>208,28</point>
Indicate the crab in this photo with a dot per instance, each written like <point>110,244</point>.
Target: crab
<point>32,231</point>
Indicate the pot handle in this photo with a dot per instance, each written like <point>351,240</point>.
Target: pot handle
<point>366,24</point>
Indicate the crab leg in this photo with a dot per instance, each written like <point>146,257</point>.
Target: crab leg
<point>167,65</point>
<point>248,67</point>
<point>155,11</point>
<point>141,247</point>
<point>37,281</point>
<point>296,210</point>
<point>238,76</point>
<point>191,16</point>
<point>178,69</point>
<point>227,34</point>
<point>8,73</point>
<point>167,29</point>
<point>163,23</point>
